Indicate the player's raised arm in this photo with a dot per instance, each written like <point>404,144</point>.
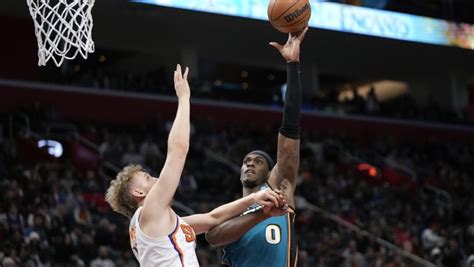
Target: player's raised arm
<point>158,200</point>
<point>284,173</point>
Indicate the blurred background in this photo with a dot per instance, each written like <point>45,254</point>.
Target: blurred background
<point>387,149</point>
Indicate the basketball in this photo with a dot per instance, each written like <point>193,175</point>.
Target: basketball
<point>289,15</point>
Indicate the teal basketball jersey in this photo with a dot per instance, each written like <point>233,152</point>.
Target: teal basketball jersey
<point>270,243</point>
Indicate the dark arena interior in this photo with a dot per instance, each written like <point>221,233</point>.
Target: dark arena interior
<point>386,171</point>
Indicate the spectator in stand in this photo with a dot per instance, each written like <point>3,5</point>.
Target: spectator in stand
<point>127,260</point>
<point>357,102</point>
<point>453,255</point>
<point>111,150</point>
<point>103,259</point>
<point>372,104</point>
<point>431,239</point>
<point>8,262</point>
<point>352,257</point>
<point>150,149</point>
<point>131,155</point>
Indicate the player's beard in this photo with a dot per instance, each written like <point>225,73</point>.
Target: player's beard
<point>250,184</point>
<point>254,183</point>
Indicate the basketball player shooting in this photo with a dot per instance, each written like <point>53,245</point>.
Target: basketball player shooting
<point>273,236</point>
<point>158,236</point>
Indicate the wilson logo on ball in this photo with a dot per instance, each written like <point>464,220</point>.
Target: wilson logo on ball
<point>295,14</point>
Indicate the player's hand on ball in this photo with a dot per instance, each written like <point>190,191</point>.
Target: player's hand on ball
<point>291,50</point>
<point>181,85</point>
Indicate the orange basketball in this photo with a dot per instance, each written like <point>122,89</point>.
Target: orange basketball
<point>289,15</point>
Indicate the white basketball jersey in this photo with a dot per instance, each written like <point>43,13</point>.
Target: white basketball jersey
<point>174,250</point>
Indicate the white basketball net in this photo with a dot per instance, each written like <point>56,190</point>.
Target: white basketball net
<point>63,28</point>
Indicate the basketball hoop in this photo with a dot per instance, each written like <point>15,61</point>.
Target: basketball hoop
<point>63,29</point>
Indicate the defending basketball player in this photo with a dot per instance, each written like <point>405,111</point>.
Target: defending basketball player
<point>274,237</point>
<point>158,236</point>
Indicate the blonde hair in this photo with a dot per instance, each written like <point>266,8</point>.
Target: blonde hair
<point>118,194</point>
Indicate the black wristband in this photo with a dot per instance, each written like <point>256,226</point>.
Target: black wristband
<point>290,126</point>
